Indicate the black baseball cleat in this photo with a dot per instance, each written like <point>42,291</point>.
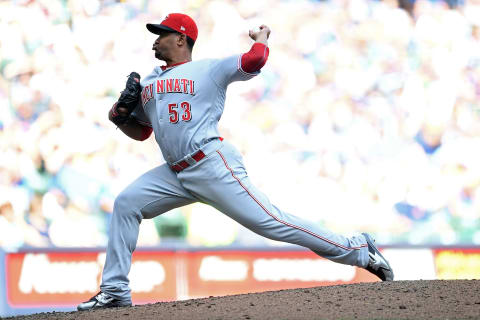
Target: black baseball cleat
<point>101,301</point>
<point>377,265</point>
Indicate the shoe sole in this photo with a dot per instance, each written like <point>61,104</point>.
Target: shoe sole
<point>102,307</point>
<point>108,306</point>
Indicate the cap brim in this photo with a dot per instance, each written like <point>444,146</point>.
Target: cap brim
<point>157,28</point>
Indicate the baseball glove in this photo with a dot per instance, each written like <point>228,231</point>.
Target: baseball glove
<point>128,99</point>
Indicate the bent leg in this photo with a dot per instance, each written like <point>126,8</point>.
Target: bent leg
<point>231,192</point>
<point>155,192</point>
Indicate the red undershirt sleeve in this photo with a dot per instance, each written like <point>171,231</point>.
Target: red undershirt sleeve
<point>146,132</point>
<point>255,59</point>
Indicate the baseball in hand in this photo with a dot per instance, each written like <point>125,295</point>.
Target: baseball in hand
<point>257,31</point>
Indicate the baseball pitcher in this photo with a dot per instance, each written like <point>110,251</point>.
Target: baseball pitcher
<point>181,103</point>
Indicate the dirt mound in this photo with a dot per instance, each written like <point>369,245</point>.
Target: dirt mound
<point>439,299</point>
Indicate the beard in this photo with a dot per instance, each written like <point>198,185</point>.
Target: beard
<point>159,56</point>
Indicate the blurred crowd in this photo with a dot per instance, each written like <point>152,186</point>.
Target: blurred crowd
<point>366,117</point>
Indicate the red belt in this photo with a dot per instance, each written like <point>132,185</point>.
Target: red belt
<point>184,164</point>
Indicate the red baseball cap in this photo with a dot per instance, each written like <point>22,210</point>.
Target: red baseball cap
<point>178,22</point>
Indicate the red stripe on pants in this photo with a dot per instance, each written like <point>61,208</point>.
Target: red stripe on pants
<point>281,221</point>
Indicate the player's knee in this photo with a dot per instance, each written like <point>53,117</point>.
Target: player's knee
<point>124,204</point>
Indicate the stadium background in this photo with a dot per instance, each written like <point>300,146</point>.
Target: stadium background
<point>365,118</point>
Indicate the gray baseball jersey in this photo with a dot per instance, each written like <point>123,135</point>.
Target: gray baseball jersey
<point>183,104</point>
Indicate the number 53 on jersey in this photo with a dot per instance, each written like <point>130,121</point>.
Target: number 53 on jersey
<point>183,113</point>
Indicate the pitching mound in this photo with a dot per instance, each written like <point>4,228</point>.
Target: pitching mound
<point>436,299</point>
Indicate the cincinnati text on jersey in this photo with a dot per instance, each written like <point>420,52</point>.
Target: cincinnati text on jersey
<point>185,86</point>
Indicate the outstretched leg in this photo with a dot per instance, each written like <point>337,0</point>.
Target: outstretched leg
<point>230,191</point>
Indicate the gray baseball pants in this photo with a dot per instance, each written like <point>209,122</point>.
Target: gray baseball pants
<point>221,181</point>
